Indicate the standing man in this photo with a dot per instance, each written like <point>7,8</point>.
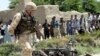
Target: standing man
<point>62,27</point>
<point>82,24</point>
<point>23,25</point>
<point>46,29</point>
<point>52,26</point>
<point>57,30</point>
<point>76,24</point>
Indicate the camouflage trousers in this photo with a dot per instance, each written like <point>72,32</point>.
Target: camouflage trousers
<point>25,44</point>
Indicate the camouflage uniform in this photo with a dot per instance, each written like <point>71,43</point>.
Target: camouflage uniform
<point>23,26</point>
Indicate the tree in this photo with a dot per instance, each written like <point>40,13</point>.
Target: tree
<point>13,3</point>
<point>61,3</point>
<point>67,5</point>
<point>64,5</point>
<point>98,7</point>
<point>74,5</point>
<point>89,5</point>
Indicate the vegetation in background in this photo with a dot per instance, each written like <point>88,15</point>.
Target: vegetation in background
<point>52,43</point>
<point>13,3</point>
<point>87,49</point>
<point>9,50</point>
<point>67,5</point>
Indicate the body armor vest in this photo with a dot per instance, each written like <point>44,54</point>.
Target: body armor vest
<point>26,23</point>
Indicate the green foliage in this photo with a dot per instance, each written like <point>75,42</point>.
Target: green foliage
<point>90,5</point>
<point>82,49</point>
<point>67,5</point>
<point>13,3</point>
<point>87,37</point>
<point>51,43</point>
<point>98,7</point>
<point>9,50</point>
<point>61,3</point>
<point>74,5</point>
<point>83,45</point>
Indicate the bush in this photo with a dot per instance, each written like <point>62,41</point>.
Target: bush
<point>84,49</point>
<point>9,50</point>
<point>51,43</point>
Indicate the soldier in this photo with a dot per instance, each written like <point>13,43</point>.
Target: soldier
<point>22,25</point>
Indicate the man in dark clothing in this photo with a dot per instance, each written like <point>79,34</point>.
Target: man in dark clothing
<point>69,28</point>
<point>46,29</point>
<point>52,26</point>
<point>82,25</point>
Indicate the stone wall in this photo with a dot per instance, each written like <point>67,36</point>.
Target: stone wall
<point>67,15</point>
<point>7,14</point>
<point>51,11</point>
<point>43,12</point>
<point>46,12</point>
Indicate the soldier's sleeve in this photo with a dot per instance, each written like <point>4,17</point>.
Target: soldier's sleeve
<point>14,23</point>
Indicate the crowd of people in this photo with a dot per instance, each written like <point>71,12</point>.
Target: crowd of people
<point>4,35</point>
<point>58,28</point>
<point>74,26</point>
